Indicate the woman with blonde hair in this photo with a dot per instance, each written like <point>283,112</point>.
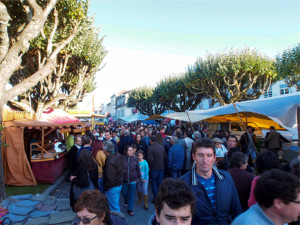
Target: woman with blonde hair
<point>99,156</point>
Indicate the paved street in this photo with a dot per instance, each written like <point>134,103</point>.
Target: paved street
<point>53,207</point>
<point>141,216</point>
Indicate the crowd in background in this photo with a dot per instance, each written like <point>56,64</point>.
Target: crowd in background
<point>122,159</point>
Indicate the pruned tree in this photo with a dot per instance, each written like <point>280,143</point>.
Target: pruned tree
<point>20,23</point>
<point>72,77</point>
<point>232,76</point>
<point>288,66</point>
<point>144,100</point>
<point>175,93</point>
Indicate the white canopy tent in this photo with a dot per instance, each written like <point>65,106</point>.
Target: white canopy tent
<point>282,109</point>
<point>133,118</point>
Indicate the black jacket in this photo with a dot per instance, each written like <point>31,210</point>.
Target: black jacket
<point>72,160</point>
<point>113,171</point>
<point>156,157</point>
<point>132,169</point>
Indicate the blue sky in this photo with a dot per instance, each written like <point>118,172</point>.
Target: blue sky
<point>194,27</point>
<point>148,40</point>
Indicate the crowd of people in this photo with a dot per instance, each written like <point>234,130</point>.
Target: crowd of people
<point>195,177</point>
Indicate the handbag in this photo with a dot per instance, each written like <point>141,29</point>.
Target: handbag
<point>77,191</point>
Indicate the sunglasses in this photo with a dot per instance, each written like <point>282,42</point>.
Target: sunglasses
<point>84,220</point>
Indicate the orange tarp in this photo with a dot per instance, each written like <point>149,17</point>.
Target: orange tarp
<point>17,170</point>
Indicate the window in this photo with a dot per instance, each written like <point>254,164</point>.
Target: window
<point>284,89</point>
<point>268,93</point>
<point>121,113</point>
<point>236,127</point>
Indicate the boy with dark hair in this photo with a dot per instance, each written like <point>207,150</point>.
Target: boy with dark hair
<point>175,203</point>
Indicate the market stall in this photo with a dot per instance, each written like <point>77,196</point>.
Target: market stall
<point>47,164</point>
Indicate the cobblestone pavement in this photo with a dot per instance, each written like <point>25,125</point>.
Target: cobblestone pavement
<point>53,207</point>
<point>141,216</point>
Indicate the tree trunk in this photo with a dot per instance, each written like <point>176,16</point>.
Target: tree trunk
<point>2,187</point>
<point>39,111</point>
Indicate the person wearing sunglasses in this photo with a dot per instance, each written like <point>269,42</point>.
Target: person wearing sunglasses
<point>278,200</point>
<point>92,208</point>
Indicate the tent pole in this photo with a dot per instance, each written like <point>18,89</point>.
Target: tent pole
<point>190,120</point>
<point>239,117</point>
<point>43,139</point>
<point>298,122</point>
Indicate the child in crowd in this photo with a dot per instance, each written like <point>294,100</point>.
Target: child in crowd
<point>143,183</point>
<point>221,151</point>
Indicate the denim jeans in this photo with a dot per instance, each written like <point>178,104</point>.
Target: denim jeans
<point>156,178</point>
<point>113,198</point>
<point>128,192</point>
<point>142,187</point>
<point>100,184</point>
<point>175,173</point>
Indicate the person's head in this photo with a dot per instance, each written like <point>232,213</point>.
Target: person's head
<point>114,134</point>
<point>188,133</point>
<point>279,192</point>
<point>232,151</point>
<point>138,138</point>
<point>272,128</point>
<point>153,139</point>
<point>178,135</point>
<point>96,146</point>
<point>162,130</point>
<point>175,202</point>
<point>205,129</point>
<point>197,135</point>
<point>204,155</point>
<point>140,155</point>
<point>249,129</point>
<point>128,150</point>
<point>174,140</point>
<point>92,208</point>
<point>108,147</point>
<point>239,160</point>
<point>86,140</point>
<point>142,132</point>
<point>85,159</point>
<point>227,133</point>
<point>107,135</point>
<point>265,161</point>
<point>78,140</point>
<point>218,142</point>
<point>231,141</point>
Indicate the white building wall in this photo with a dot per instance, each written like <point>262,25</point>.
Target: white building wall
<point>277,89</point>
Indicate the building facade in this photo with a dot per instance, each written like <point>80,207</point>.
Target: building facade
<point>117,106</point>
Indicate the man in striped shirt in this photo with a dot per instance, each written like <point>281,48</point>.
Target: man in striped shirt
<point>217,198</point>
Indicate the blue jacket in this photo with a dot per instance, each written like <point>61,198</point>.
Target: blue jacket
<point>175,157</point>
<point>227,201</point>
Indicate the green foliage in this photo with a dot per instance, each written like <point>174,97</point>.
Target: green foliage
<point>83,57</point>
<point>17,190</point>
<point>174,92</point>
<point>145,100</point>
<point>288,66</point>
<point>232,76</point>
